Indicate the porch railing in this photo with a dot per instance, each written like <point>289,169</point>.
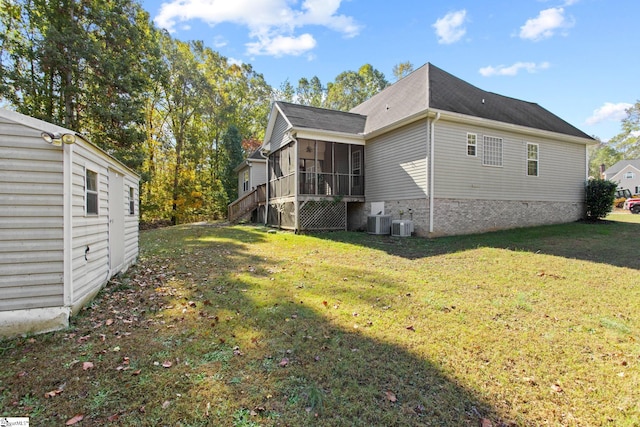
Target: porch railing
<point>247,203</point>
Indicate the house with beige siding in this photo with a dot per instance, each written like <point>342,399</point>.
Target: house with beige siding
<point>431,150</point>
<point>68,223</point>
<point>625,173</point>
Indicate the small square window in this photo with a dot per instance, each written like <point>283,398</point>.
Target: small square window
<point>629,175</point>
<point>91,192</point>
<point>472,140</point>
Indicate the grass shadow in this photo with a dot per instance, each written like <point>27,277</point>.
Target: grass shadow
<point>608,242</point>
<point>204,331</point>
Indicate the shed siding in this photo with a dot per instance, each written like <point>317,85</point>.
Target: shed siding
<point>277,136</point>
<point>131,221</point>
<point>31,220</point>
<point>395,164</point>
<point>89,230</point>
<point>460,176</point>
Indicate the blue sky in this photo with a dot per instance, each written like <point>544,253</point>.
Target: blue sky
<point>577,58</point>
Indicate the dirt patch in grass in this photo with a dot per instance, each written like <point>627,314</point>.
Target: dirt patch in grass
<point>234,326</point>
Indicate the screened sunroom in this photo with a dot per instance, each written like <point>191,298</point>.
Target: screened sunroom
<point>313,182</point>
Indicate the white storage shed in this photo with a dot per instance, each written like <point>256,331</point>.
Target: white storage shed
<point>68,223</point>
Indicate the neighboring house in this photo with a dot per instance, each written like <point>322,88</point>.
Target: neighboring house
<point>626,173</point>
<point>68,223</point>
<point>431,148</point>
<point>251,173</point>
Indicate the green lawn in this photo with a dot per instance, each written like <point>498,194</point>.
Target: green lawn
<point>240,326</point>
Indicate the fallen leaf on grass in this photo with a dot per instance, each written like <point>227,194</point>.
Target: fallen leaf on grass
<point>326,304</point>
<point>556,388</point>
<point>87,365</point>
<point>410,328</point>
<point>53,393</point>
<point>485,422</point>
<point>284,362</point>
<point>391,397</point>
<point>109,322</point>
<point>113,418</point>
<point>74,420</point>
<point>167,364</point>
<point>166,404</point>
<point>136,373</point>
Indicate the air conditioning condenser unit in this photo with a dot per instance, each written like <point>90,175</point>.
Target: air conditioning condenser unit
<point>401,228</point>
<point>379,224</point>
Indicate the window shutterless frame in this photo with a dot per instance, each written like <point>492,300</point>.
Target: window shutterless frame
<point>532,159</point>
<point>91,192</point>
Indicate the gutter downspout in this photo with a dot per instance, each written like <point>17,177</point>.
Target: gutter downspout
<point>432,140</point>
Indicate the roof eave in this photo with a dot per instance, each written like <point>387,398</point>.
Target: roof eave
<point>328,135</point>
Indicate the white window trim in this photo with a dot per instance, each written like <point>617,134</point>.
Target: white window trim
<point>245,181</point>
<point>629,175</point>
<point>87,192</point>
<point>484,150</point>
<point>474,145</point>
<point>131,194</point>
<point>537,159</point>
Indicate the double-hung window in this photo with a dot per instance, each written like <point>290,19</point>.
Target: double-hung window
<point>629,175</point>
<point>472,144</point>
<point>532,159</point>
<point>492,151</point>
<point>245,181</point>
<point>91,192</point>
<point>132,201</point>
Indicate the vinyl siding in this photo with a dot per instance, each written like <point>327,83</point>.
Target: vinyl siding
<point>277,135</point>
<point>131,222</point>
<point>395,164</point>
<point>90,274</point>
<point>561,167</point>
<point>628,183</point>
<point>31,220</point>
<point>258,174</point>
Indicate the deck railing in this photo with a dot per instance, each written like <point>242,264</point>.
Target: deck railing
<point>247,203</point>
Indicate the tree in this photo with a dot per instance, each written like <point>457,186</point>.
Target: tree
<point>310,92</point>
<point>351,88</point>
<point>602,154</point>
<point>286,92</point>
<point>82,64</point>
<point>233,153</point>
<point>627,142</point>
<point>402,69</point>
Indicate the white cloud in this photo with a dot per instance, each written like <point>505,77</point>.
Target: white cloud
<point>546,24</point>
<point>512,70</point>
<point>450,28</point>
<point>219,41</point>
<point>609,112</point>
<point>271,23</point>
<point>234,61</point>
<point>282,45</point>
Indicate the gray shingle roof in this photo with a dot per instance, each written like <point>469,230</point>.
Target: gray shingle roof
<point>613,170</point>
<point>303,116</point>
<point>431,87</point>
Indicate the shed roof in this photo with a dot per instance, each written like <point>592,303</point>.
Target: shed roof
<point>42,126</point>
